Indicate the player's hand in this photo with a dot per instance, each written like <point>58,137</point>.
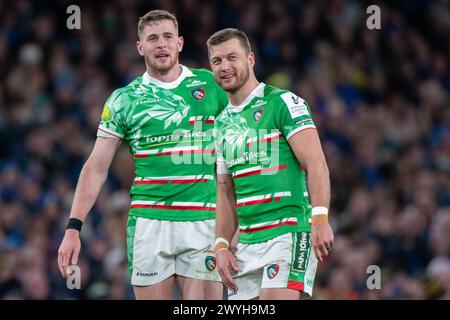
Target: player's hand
<point>322,239</point>
<point>226,265</point>
<point>68,251</point>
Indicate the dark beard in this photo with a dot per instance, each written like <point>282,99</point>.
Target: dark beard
<point>241,81</point>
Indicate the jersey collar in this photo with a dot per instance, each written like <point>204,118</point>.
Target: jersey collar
<point>185,73</point>
<point>257,92</point>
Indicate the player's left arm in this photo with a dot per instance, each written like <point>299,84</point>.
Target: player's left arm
<point>308,150</point>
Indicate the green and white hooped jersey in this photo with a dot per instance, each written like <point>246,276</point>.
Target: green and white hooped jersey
<point>252,146</point>
<point>169,128</point>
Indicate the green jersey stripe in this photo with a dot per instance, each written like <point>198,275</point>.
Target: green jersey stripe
<point>256,170</point>
<point>173,206</point>
<point>203,119</point>
<point>172,151</point>
<point>262,199</point>
<point>265,138</point>
<point>174,179</point>
<point>268,225</point>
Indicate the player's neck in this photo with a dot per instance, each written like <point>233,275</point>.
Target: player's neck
<point>168,76</point>
<point>239,96</point>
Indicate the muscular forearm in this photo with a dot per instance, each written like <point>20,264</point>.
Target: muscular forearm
<point>319,184</point>
<point>226,218</point>
<point>88,187</point>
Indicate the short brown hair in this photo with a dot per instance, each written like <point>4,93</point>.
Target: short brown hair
<point>153,16</point>
<point>227,34</point>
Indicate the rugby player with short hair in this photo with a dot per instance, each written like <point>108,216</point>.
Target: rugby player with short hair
<point>273,181</point>
<point>166,116</point>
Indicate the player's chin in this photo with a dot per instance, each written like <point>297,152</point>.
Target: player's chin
<point>229,86</point>
<point>163,66</point>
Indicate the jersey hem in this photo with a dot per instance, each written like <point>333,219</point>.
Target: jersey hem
<point>165,216</point>
<point>257,238</point>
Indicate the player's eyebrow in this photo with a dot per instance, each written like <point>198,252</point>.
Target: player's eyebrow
<point>151,35</point>
<point>168,33</point>
<point>213,58</point>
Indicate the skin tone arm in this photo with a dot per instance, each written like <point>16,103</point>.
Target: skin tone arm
<point>308,151</point>
<point>91,180</point>
<point>226,225</point>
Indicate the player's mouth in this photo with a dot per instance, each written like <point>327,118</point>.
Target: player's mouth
<point>227,77</point>
<point>162,56</point>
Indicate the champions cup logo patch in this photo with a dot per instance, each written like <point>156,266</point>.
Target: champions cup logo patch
<point>257,114</point>
<point>210,263</point>
<point>272,271</point>
<point>198,93</point>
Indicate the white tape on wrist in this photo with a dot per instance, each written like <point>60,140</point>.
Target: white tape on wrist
<point>218,240</point>
<point>319,210</point>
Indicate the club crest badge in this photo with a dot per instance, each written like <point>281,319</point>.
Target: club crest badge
<point>198,93</point>
<point>272,271</point>
<point>210,263</point>
<point>257,114</point>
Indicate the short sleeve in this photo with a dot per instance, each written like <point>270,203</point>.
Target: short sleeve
<point>294,115</point>
<point>111,125</point>
<point>220,159</point>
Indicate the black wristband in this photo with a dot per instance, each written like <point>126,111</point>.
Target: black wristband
<point>74,223</point>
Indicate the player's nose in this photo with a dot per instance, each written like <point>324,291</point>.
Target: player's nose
<point>224,66</point>
<point>161,44</point>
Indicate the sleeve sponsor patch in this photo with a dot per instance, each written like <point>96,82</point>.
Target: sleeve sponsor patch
<point>295,105</point>
<point>106,114</point>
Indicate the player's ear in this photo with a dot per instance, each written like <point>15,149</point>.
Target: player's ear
<point>180,43</point>
<point>251,60</point>
<point>139,48</point>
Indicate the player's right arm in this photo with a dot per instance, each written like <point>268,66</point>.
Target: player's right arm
<point>92,177</point>
<point>226,225</point>
<point>226,215</point>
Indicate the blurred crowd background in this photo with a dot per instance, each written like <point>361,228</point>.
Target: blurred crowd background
<point>380,99</point>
